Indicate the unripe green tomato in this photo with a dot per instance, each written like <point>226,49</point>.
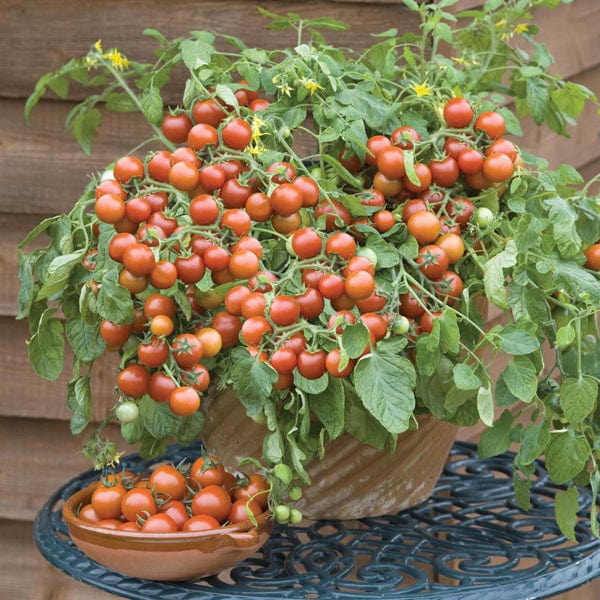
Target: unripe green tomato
<point>368,253</point>
<point>295,493</point>
<point>589,343</point>
<point>127,411</point>
<point>401,325</point>
<point>295,516</point>
<point>484,217</point>
<point>289,247</point>
<point>316,173</point>
<point>282,513</point>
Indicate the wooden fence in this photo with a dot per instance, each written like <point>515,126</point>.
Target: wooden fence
<point>43,170</point>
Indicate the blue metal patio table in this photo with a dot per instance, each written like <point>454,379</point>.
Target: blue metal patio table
<point>468,541</point>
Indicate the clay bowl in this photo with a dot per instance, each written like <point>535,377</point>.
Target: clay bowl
<point>166,556</point>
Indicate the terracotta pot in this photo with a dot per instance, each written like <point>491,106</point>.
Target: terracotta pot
<point>353,480</point>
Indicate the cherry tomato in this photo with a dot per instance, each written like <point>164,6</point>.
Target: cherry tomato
<point>311,303</point>
<point>106,500</point>
<point>161,325</point>
<point>176,127</point>
<point>207,470</point>
<point>444,173</point>
<point>390,162</point>
<point>201,523</point>
<point>491,123</point>
<point>424,176</point>
<point>375,145</point>
<point>453,246</point>
<point>110,208</point>
<point>228,326</point>
<point>115,334</point>
<point>138,503</point>
<point>458,113</point>
<point>213,501</point>
<point>284,310</point>
<point>138,259</point>
<point>159,523</point>
<point>332,364</point>
<point>424,226</point>
<point>159,304</point>
<point>163,274</point>
<point>160,387</point>
<point>592,257</point>
<point>133,380</point>
<point>241,508</point>
<point>168,481</point>
<point>311,365</point>
<point>208,111</point>
<point>253,329</point>
<point>254,488</point>
<point>127,168</point>
<point>187,350</point>
<point>342,244</point>
<point>184,401</point>
<point>433,261</point>
<point>237,134</point>
<point>498,167</point>
<point>153,353</point>
<point>405,137</point>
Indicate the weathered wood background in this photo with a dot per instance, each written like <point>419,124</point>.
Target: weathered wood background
<point>42,171</point>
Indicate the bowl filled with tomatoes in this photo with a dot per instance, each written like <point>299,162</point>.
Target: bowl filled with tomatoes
<point>173,523</point>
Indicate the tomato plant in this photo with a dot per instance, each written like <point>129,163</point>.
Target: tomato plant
<point>216,254</point>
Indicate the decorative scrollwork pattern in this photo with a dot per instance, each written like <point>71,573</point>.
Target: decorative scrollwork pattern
<point>469,540</point>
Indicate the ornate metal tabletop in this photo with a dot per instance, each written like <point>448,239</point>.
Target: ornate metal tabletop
<point>469,540</point>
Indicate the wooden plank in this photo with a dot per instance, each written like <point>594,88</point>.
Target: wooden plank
<point>25,575</point>
<point>51,39</point>
<point>25,394</point>
<point>45,166</point>
<point>590,171</point>
<point>38,456</point>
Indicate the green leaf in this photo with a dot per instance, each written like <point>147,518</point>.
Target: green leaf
<point>47,346</point>
<point>578,398</point>
<point>465,377</point>
<point>362,425</point>
<point>25,297</point>
<point>496,439</point>
<point>493,274</point>
<point>226,94</point>
<point>522,497</point>
<point>196,53</point>
<point>85,126</point>
<point>120,103</point>
<point>79,402</point>
<point>566,455</point>
<point>385,384</point>
<point>533,443</point>
<point>190,428</point>
<point>521,379</point>
<point>311,386</point>
<point>85,339</point>
<point>355,339</point>
<point>565,336</point>
<point>449,332</point>
<point>429,351</point>
<point>409,165</point>
<point>329,406</point>
<point>152,105</point>
<point>132,432</point>
<point>157,418</point>
<point>252,380</point>
<point>563,217</point>
<point>58,272</point>
<point>114,302</point>
<point>537,98</point>
<point>517,341</point>
<point>566,504</point>
<point>485,406</point>
<point>273,447</point>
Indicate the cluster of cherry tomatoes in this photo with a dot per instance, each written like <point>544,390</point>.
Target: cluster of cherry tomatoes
<point>209,209</point>
<point>185,498</point>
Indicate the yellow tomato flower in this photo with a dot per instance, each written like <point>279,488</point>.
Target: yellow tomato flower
<point>521,28</point>
<point>118,61</point>
<point>98,45</point>
<point>312,86</point>
<point>422,89</point>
